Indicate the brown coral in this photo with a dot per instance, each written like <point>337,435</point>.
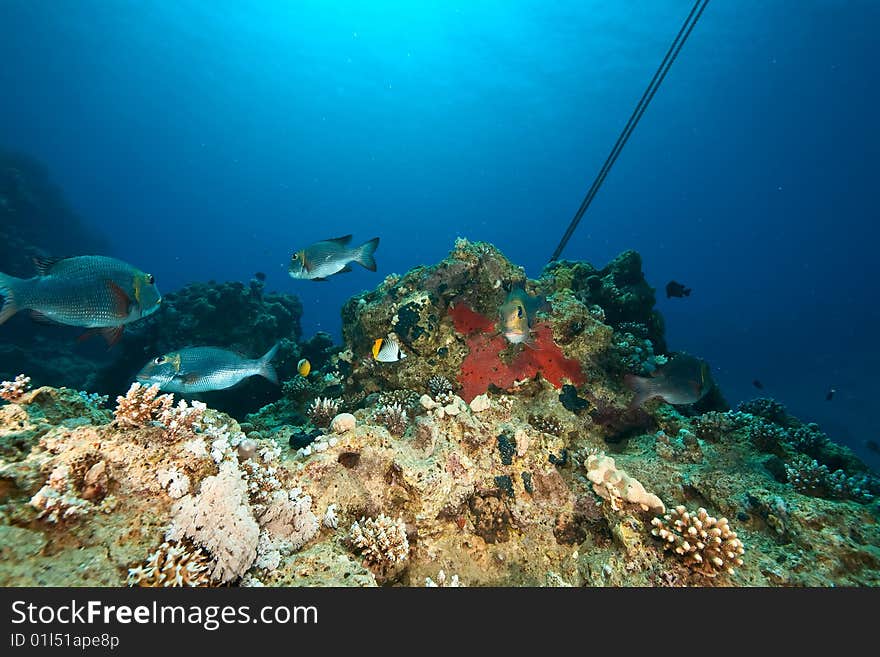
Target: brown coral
<point>381,540</point>
<point>141,405</point>
<point>322,411</point>
<point>172,565</point>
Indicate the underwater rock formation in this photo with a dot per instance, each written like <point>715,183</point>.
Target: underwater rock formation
<point>373,473</point>
<point>35,219</point>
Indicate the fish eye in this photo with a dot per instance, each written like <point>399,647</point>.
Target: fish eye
<point>150,279</point>
<point>519,311</point>
<point>295,256</point>
<point>159,360</point>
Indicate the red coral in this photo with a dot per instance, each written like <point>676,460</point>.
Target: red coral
<point>483,365</point>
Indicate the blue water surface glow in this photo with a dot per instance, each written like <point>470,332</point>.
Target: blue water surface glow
<point>210,139</point>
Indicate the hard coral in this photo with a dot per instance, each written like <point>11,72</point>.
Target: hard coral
<point>11,391</point>
<point>393,418</point>
<point>614,484</point>
<point>381,540</point>
<point>708,545</point>
<point>483,366</point>
<point>322,411</point>
<point>172,565</point>
<point>141,405</point>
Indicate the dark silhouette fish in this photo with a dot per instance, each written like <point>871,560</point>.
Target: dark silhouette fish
<point>758,384</point>
<point>830,394</point>
<point>683,380</point>
<point>675,289</point>
<point>873,446</point>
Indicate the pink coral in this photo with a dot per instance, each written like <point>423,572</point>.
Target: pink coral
<point>483,365</point>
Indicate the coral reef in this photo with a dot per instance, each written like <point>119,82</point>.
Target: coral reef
<point>370,473</point>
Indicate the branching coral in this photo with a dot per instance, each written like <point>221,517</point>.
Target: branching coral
<point>141,405</point>
<point>807,476</point>
<point>708,545</point>
<point>182,420</point>
<point>393,418</point>
<point>438,385</point>
<point>322,411</point>
<point>172,565</point>
<point>767,408</point>
<point>12,391</point>
<point>381,540</point>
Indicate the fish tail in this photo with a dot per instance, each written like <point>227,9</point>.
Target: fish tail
<point>265,367</point>
<point>644,388</point>
<point>364,254</point>
<point>7,290</point>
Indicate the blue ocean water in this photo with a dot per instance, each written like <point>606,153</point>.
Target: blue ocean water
<point>208,140</point>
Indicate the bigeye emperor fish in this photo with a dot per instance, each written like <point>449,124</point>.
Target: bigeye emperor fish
<point>684,379</point>
<point>95,292</point>
<point>203,369</point>
<point>323,259</point>
<point>517,315</point>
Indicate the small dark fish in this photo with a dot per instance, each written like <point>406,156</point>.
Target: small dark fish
<point>683,380</point>
<point>675,289</point>
<point>872,445</point>
<point>758,384</point>
<point>323,259</point>
<point>830,394</point>
<point>260,276</point>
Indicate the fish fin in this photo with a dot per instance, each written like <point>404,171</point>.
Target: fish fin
<point>364,254</point>
<point>644,389</point>
<point>686,291</point>
<point>6,289</point>
<point>344,270</point>
<point>321,279</point>
<point>41,318</point>
<point>266,370</point>
<point>44,264</point>
<point>190,377</point>
<point>121,301</point>
<point>341,241</point>
<point>112,334</point>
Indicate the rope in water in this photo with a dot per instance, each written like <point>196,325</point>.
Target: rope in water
<point>655,83</point>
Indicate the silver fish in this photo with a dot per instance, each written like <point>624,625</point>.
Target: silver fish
<point>95,292</point>
<point>323,259</point>
<point>202,369</point>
